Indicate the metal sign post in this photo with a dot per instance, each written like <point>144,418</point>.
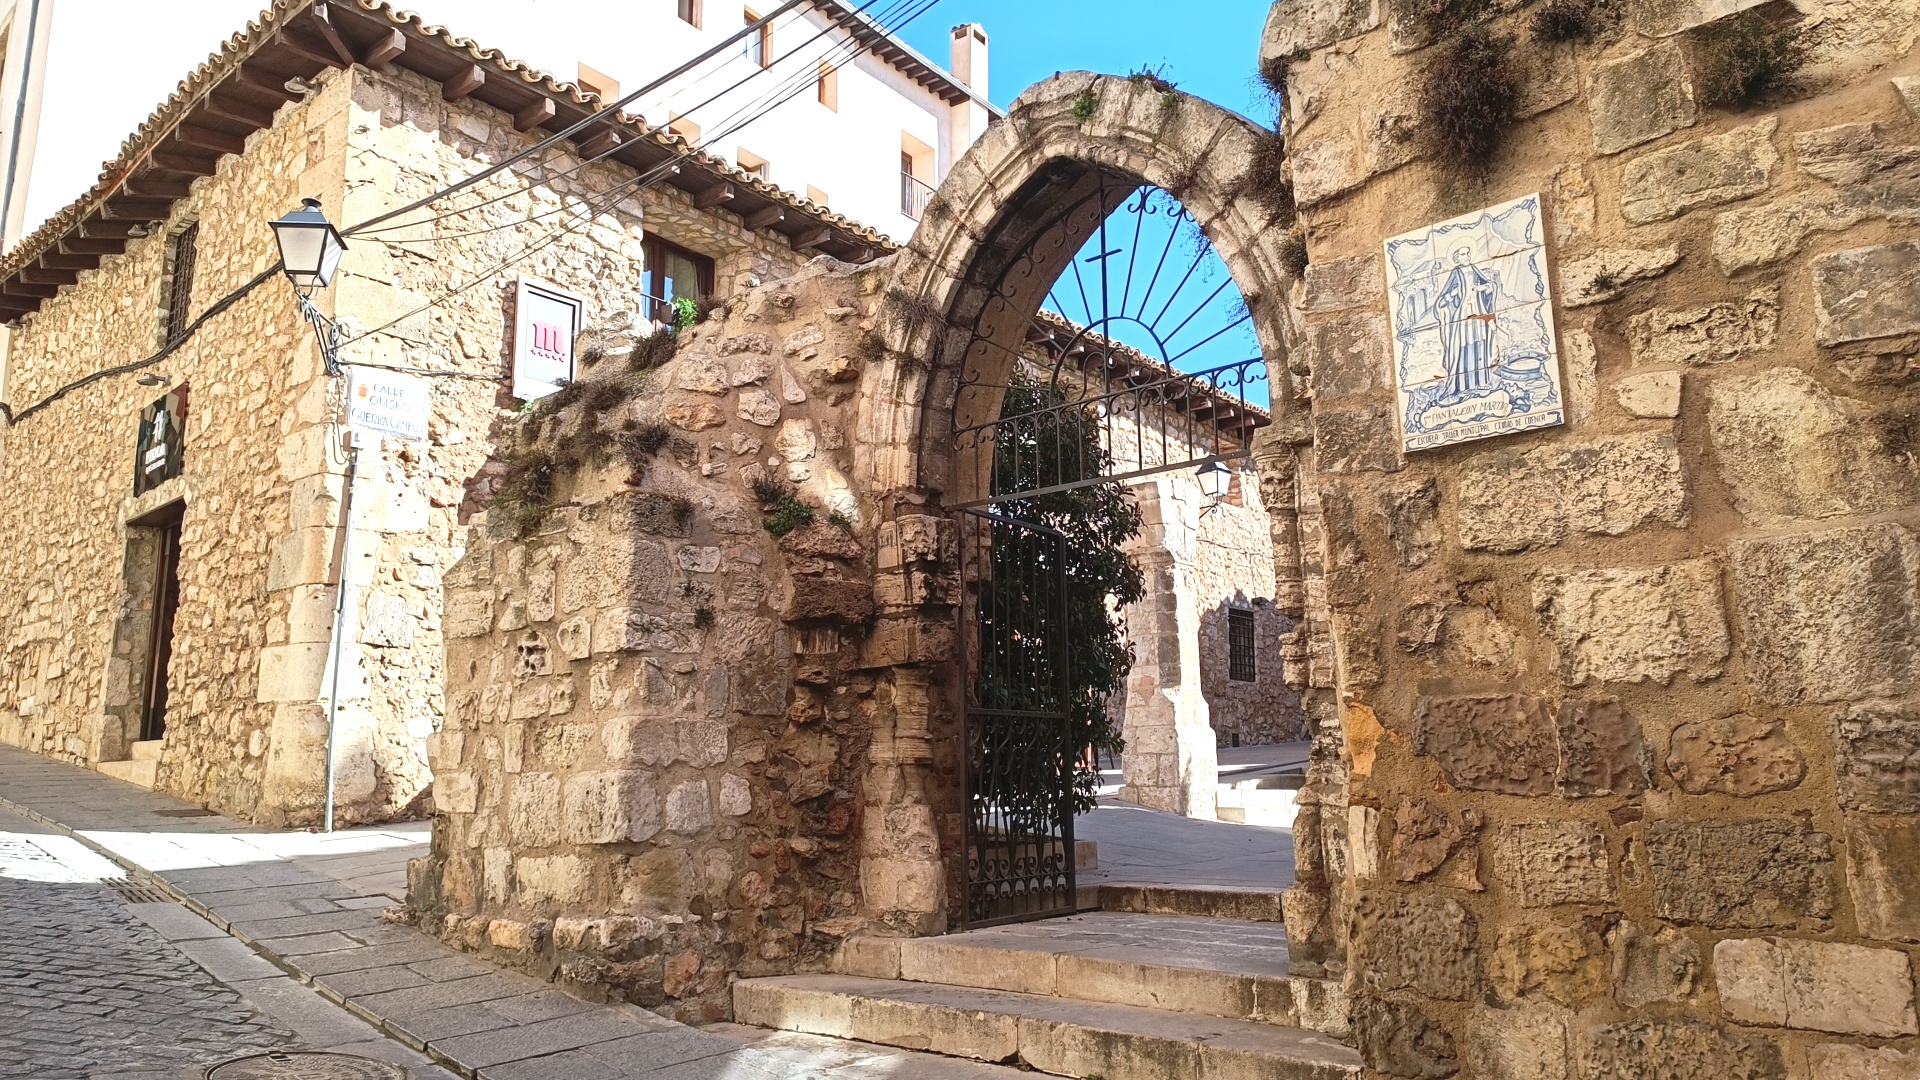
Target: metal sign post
<point>379,403</point>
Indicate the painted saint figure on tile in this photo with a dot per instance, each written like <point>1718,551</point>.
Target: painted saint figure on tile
<point>1473,340</point>
<point>1466,309</point>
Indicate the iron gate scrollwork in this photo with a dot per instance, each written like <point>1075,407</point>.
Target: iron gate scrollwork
<point>1018,758</point>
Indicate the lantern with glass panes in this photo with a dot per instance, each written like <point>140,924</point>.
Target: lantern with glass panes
<point>310,251</point>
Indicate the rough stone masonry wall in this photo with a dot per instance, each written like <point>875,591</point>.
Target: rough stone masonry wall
<point>653,767</point>
<point>66,481</point>
<point>1628,705</point>
<point>406,141</point>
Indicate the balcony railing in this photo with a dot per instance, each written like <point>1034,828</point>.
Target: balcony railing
<point>914,195</point>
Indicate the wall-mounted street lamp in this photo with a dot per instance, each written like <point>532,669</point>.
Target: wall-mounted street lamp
<point>154,378</point>
<point>1215,480</point>
<point>310,251</point>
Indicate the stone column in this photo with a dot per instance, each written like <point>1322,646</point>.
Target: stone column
<point>1170,762</point>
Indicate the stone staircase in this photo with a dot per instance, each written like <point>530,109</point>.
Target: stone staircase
<point>141,769</point>
<point>1123,995</point>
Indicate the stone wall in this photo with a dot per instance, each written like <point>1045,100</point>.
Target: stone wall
<point>69,679</point>
<point>654,768</point>
<point>265,468</point>
<point>1624,705</point>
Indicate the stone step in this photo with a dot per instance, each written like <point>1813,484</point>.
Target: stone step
<point>1248,804</point>
<point>1060,1036</point>
<point>1215,967</point>
<point>146,751</point>
<point>144,774</point>
<point>1086,856</point>
<point>1242,905</point>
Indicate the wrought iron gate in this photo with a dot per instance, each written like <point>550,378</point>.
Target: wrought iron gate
<point>1018,756</point>
<point>1101,401</point>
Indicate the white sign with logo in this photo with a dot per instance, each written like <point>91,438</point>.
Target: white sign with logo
<point>546,319</point>
<point>387,403</point>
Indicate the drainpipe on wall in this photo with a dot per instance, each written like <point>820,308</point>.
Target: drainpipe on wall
<point>340,602</point>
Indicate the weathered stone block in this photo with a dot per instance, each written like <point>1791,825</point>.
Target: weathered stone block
<point>1295,26</point>
<point>1537,959</point>
<point>1357,439</point>
<point>1873,172</point>
<point>736,796</point>
<point>468,614</point>
<point>1671,1049</point>
<point>1705,172</point>
<point>1500,743</point>
<point>1601,748</point>
<point>1400,1040</point>
<point>1603,275</point>
<point>1348,355</point>
<point>1413,522</point>
<point>1844,1061</point>
<point>1639,98</point>
<point>1714,334</point>
<point>533,812</point>
<point>836,599</point>
<point>1876,752</point>
<point>456,792</point>
<point>1649,968</point>
<point>1341,284</point>
<point>1635,624</point>
<point>1735,755</point>
<point>645,741</point>
<point>1511,500</point>
<point>1820,985</point>
<point>1908,87</point>
<point>1790,449</point>
<point>1546,863</point>
<point>1422,943</point>
<point>1665,18</point>
<point>1518,1044</point>
<point>1883,862</point>
<point>553,881</point>
<point>1741,874</point>
<point>1827,616</point>
<point>1425,837</point>
<point>610,807</point>
<point>1763,235</point>
<point>689,807</point>
<point>1653,395</point>
<point>1866,293</point>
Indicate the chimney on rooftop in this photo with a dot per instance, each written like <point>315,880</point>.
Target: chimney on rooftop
<point>970,56</point>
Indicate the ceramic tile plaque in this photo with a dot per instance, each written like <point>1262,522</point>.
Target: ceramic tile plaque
<point>1472,324</point>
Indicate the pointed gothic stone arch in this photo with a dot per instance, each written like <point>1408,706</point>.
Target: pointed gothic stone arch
<point>1068,136</point>
<point>1009,190</point>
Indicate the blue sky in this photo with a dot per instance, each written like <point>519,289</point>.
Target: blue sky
<point>1209,47</point>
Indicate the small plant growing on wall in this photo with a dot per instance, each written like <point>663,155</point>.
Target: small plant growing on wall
<point>1565,21</point>
<point>781,509</point>
<point>1467,96</point>
<point>1748,59</point>
<point>1083,106</point>
<point>1266,180</point>
<point>1293,252</point>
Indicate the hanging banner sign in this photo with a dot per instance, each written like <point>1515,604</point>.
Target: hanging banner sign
<point>546,320</point>
<point>388,403</point>
<point>160,449</point>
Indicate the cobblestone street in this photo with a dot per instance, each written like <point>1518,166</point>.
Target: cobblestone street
<point>94,986</point>
<point>88,989</point>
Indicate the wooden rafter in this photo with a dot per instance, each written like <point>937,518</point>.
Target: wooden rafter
<point>772,215</point>
<point>385,50</point>
<point>534,115</point>
<point>717,195</point>
<point>209,139</point>
<point>464,84</point>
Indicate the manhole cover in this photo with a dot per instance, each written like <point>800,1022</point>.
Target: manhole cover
<point>281,1065</point>
<point>136,892</point>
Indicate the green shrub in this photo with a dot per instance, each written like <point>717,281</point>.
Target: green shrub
<point>1467,96</point>
<point>1748,59</point>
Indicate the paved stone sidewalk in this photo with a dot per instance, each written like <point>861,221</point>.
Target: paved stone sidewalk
<point>309,907</point>
<point>93,985</point>
<point>1146,847</point>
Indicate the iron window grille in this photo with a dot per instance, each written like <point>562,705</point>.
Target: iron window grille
<point>1240,661</point>
<point>180,283</point>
